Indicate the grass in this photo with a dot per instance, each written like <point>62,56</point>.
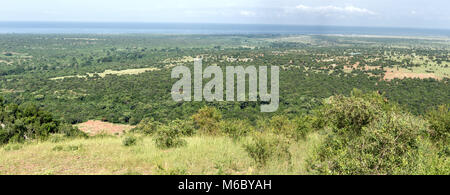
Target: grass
<point>107,155</point>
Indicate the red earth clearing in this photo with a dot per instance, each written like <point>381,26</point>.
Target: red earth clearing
<point>93,127</point>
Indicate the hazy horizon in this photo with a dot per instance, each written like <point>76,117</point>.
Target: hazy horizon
<point>207,28</point>
<point>431,14</point>
<point>226,23</point>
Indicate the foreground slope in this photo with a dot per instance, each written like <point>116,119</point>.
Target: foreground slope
<point>107,155</point>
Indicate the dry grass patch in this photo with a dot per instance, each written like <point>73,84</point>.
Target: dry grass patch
<point>202,155</point>
<point>111,72</point>
<point>389,75</point>
<point>125,72</point>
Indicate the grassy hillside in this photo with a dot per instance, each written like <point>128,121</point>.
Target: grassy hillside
<point>107,155</point>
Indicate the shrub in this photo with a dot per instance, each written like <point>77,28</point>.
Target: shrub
<point>439,128</point>
<point>236,129</point>
<point>129,140</point>
<point>262,124</point>
<point>27,121</point>
<point>347,115</point>
<point>55,138</point>
<point>174,171</point>
<point>317,119</point>
<point>70,131</point>
<point>147,126</point>
<point>68,148</point>
<point>370,136</point>
<point>73,147</point>
<point>303,125</point>
<point>431,161</point>
<point>439,120</point>
<point>207,120</point>
<point>280,125</point>
<point>264,147</point>
<point>11,147</point>
<point>168,136</point>
<point>291,129</point>
<point>101,135</point>
<point>58,148</point>
<point>186,127</point>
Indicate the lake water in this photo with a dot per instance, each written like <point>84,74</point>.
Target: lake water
<point>178,28</point>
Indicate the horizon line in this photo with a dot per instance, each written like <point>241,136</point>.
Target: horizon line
<point>225,23</point>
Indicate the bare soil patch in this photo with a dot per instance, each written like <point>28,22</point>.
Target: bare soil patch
<point>94,127</point>
<point>389,75</point>
<point>134,71</point>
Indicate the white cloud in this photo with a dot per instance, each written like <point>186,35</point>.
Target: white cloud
<point>247,13</point>
<point>335,9</point>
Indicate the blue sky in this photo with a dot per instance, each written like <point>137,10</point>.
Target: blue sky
<point>394,13</point>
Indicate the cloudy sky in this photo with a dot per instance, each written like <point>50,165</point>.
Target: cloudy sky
<point>394,13</point>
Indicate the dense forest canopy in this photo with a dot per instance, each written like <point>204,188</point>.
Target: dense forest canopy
<point>125,78</point>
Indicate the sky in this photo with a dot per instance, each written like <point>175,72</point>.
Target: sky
<point>385,13</point>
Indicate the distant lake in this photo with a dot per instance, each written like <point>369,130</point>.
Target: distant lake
<point>179,28</point>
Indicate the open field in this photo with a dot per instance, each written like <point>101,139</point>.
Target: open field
<point>423,66</point>
<point>420,72</point>
<point>111,72</point>
<point>107,155</point>
<point>404,73</point>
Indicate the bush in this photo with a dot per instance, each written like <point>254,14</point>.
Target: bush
<point>292,129</point>
<point>102,135</point>
<point>147,126</point>
<point>236,129</point>
<point>27,121</point>
<point>58,148</point>
<point>11,147</point>
<point>55,138</point>
<point>262,124</point>
<point>303,125</point>
<point>264,147</point>
<point>370,136</point>
<point>68,148</point>
<point>129,140</point>
<point>207,120</point>
<point>70,131</point>
<point>186,127</point>
<point>431,161</point>
<point>281,125</point>
<point>439,120</point>
<point>347,115</point>
<point>73,147</point>
<point>168,136</point>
